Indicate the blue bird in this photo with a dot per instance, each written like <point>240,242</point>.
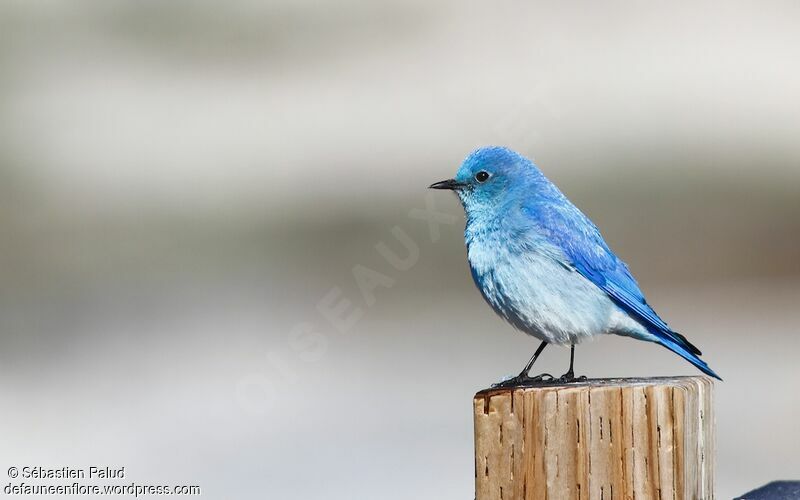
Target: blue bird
<point>544,267</point>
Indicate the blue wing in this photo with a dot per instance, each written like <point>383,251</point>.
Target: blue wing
<point>581,243</point>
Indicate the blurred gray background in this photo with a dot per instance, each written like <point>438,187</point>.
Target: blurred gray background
<point>183,184</point>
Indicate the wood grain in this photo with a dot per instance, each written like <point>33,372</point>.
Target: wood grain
<point>604,439</point>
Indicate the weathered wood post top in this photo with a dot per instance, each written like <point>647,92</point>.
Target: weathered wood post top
<point>603,439</point>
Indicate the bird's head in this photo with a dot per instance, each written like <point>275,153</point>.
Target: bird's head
<point>490,177</point>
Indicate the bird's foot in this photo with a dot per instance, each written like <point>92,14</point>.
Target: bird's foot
<point>570,377</point>
<point>523,379</point>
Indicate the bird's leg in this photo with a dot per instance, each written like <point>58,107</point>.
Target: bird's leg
<point>524,373</point>
<point>570,375</point>
<point>523,377</point>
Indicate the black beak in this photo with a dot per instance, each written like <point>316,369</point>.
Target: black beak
<point>448,184</point>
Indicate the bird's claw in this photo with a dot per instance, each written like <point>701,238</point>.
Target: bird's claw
<point>523,379</point>
<point>570,377</point>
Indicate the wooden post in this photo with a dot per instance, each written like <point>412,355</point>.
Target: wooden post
<point>599,439</point>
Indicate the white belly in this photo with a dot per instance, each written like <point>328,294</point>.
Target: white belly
<point>542,297</point>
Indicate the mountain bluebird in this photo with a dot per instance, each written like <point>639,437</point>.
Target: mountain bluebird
<point>544,267</point>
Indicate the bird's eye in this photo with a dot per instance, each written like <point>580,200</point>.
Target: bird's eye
<point>482,176</point>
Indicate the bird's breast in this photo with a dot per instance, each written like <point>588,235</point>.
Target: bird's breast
<point>533,289</point>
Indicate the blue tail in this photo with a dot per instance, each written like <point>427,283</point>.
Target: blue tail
<point>688,356</point>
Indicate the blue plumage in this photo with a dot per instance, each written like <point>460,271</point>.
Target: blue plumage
<point>543,265</point>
